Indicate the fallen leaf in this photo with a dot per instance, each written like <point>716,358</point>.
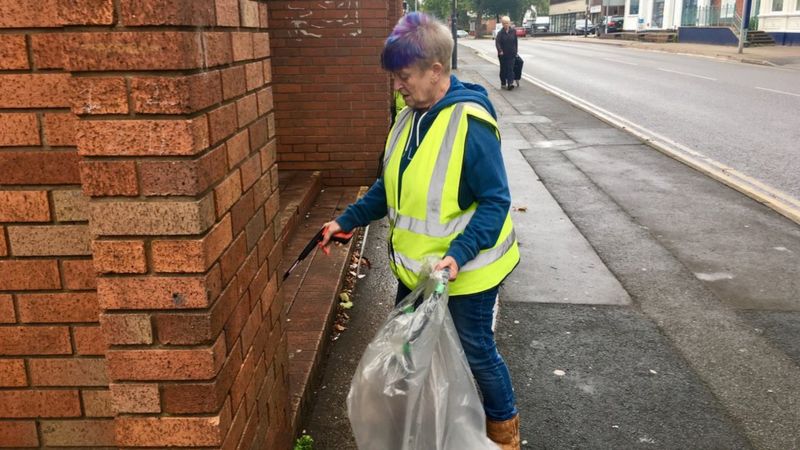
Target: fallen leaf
<point>346,305</point>
<point>344,297</point>
<point>339,328</point>
<point>521,208</point>
<point>365,262</point>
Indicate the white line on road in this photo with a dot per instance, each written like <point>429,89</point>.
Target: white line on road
<point>620,62</point>
<point>777,91</point>
<point>687,74</point>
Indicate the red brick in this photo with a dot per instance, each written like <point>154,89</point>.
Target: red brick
<point>254,73</point>
<point>194,398</point>
<point>145,365</point>
<point>242,46</point>
<point>41,90</point>
<point>135,431</point>
<point>175,50</point>
<point>183,177</point>
<point>86,12</point>
<point>233,258</point>
<point>197,328</point>
<point>78,433</point>
<point>18,433</point>
<point>173,217</point>
<point>119,256</point>
<point>59,129</point>
<point>263,15</point>
<point>109,178</point>
<point>57,308</point>
<point>39,403</point>
<point>196,255</point>
<point>78,274</point>
<point>261,45</point>
<point>222,122</point>
<point>176,95</point>
<point>234,82</point>
<point>238,148</point>
<point>49,240</point>
<point>135,398</point>
<point>247,109</point>
<point>127,329</point>
<point>68,372</point>
<point>97,403</point>
<point>18,129</point>
<point>7,309</point>
<point>158,292</point>
<point>143,137</point>
<point>89,340</point>
<point>259,133</point>
<point>262,189</point>
<point>3,243</point>
<point>26,14</point>
<point>242,379</point>
<point>265,101</point>
<point>251,171</point>
<point>29,275</point>
<point>36,167</point>
<point>218,48</point>
<point>70,205</point>
<point>99,95</point>
<point>13,54</point>
<point>34,341</point>
<point>227,13</point>
<point>12,373</point>
<point>269,154</point>
<point>49,50</point>
<point>227,193</point>
<point>167,12</point>
<point>267,65</point>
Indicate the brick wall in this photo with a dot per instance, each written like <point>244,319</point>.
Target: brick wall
<point>141,132</point>
<point>53,380</point>
<point>331,95</point>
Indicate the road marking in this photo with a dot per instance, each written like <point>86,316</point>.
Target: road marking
<point>687,74</point>
<point>620,62</point>
<point>779,201</point>
<point>777,91</point>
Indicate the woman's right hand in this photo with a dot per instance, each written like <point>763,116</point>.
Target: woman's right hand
<point>331,228</point>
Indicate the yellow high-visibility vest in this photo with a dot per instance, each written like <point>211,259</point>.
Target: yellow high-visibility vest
<point>428,217</point>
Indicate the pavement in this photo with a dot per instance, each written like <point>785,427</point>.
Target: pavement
<point>653,308</point>
<point>779,55</point>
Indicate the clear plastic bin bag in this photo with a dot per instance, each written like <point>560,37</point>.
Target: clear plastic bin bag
<point>413,389</point>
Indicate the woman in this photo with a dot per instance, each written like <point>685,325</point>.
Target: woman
<point>506,43</point>
<point>445,190</point>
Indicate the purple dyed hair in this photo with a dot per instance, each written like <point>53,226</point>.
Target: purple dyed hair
<point>417,39</point>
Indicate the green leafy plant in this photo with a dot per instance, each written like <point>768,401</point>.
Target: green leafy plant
<point>304,442</point>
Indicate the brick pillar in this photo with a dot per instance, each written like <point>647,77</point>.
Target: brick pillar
<point>177,134</point>
<point>331,96</point>
<point>53,381</point>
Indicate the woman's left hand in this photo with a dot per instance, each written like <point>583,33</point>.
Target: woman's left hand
<point>449,263</point>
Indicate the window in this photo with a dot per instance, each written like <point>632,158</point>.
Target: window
<point>777,5</point>
<point>635,7</point>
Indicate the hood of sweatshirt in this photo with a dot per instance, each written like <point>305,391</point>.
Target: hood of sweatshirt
<point>459,92</point>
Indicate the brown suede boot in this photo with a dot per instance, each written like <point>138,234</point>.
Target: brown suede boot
<point>505,434</point>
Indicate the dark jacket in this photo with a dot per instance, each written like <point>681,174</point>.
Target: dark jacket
<point>483,177</point>
<point>506,41</point>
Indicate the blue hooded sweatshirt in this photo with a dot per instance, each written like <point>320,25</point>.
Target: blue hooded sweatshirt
<point>483,177</point>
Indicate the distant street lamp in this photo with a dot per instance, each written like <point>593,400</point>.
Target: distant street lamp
<point>586,20</point>
<point>454,27</point>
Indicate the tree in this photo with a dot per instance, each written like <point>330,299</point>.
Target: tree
<point>438,8</point>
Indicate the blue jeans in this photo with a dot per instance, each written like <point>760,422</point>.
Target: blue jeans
<point>472,315</point>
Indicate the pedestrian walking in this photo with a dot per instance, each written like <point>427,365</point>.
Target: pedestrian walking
<point>506,43</point>
<point>445,191</point>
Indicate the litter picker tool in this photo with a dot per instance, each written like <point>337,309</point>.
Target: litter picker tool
<point>338,237</point>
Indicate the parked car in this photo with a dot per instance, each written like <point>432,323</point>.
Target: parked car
<point>528,27</point>
<point>541,24</point>
<point>461,34</point>
<point>614,24</point>
<point>581,23</point>
<point>520,31</point>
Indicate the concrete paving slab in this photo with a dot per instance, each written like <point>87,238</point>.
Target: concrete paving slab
<point>601,136</point>
<point>698,219</point>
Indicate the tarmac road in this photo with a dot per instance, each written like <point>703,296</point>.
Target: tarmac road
<point>742,115</point>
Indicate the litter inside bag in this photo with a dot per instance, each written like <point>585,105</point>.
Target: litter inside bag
<point>413,389</point>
